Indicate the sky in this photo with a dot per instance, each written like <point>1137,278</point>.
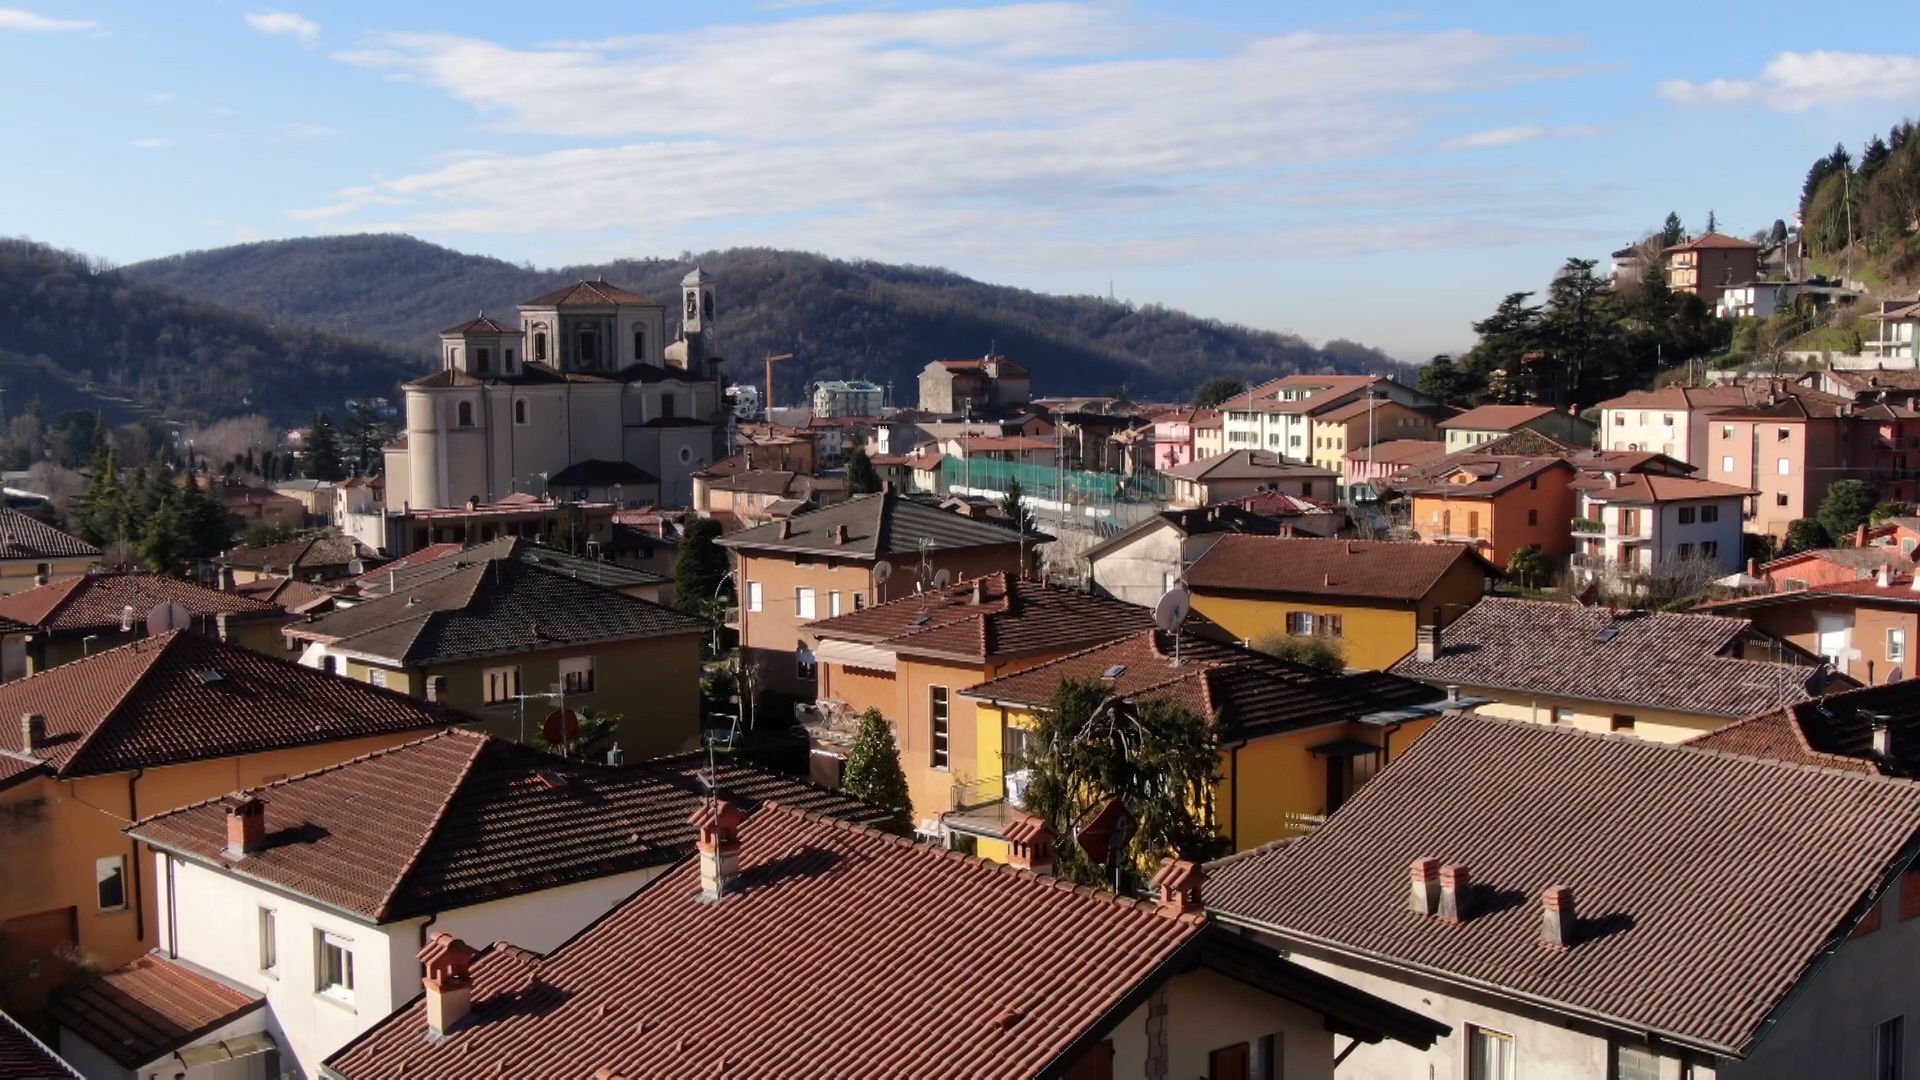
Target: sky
<point>1356,170</point>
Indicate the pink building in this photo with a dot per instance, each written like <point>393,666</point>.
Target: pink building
<point>1173,436</point>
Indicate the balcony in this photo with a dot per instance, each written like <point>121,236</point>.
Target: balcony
<point>1588,527</point>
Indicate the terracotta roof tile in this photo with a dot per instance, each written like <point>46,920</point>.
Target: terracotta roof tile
<point>1707,884</point>
<point>25,537</point>
<point>1248,465</point>
<point>879,526</point>
<point>1496,417</point>
<point>1015,617</point>
<point>1376,569</point>
<point>847,952</point>
<point>1835,731</point>
<point>1471,475</point>
<point>96,601</point>
<point>151,1007</point>
<point>588,294</point>
<point>23,1057</point>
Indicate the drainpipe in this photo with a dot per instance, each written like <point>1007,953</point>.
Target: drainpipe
<point>431,919</point>
<point>133,814</point>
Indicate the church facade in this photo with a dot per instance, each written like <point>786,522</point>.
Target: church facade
<point>584,400</point>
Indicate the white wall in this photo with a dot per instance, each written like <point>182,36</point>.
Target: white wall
<point>1207,1011</point>
<point>539,921</point>
<point>1136,571</point>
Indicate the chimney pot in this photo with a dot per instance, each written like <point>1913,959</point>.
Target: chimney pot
<point>839,534</point>
<point>1178,886</point>
<point>718,823</point>
<point>1426,647</point>
<point>246,825</point>
<point>1030,844</point>
<point>1882,728</point>
<point>1424,896</point>
<point>33,732</point>
<point>1557,919</point>
<point>223,626</point>
<point>449,982</point>
<point>1455,883</point>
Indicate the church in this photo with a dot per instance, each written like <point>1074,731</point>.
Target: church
<point>585,400</point>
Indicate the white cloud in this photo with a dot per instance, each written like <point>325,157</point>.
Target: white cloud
<point>28,22</point>
<point>1522,133</point>
<point>1794,82</point>
<point>1034,131</point>
<point>284,22</point>
<point>150,144</point>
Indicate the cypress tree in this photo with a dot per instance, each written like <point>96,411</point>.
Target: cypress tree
<point>163,546</point>
<point>873,769</point>
<point>862,477</point>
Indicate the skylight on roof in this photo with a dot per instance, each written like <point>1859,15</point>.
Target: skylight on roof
<point>1114,672</point>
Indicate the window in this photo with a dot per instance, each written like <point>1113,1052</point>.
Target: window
<point>1306,489</point>
<point>1635,1063</point>
<point>333,965</point>
<point>588,351</point>
<point>666,404</point>
<point>1709,515</point>
<point>1489,1055</point>
<point>540,347</point>
<point>1533,483</point>
<point>1327,625</point>
<point>1013,749</point>
<point>753,596</point>
<point>110,882</point>
<point>1908,544</point>
<point>1230,1063</point>
<point>1726,431</point>
<point>1686,551</point>
<point>576,675</point>
<point>269,943</point>
<point>1667,420</point>
<point>1783,434</point>
<point>482,360</point>
<point>859,601</point>
<point>803,603</point>
<point>520,411</point>
<point>1621,722</point>
<point>1619,419</point>
<point>639,345</point>
<point>1300,623</point>
<point>1779,498</point>
<point>1533,517</point>
<point>502,684</point>
<point>1726,463</point>
<point>833,604</point>
<point>1710,549</point>
<point>466,414</point>
<point>1889,1049</point>
<point>937,725</point>
<point>1896,645</point>
<point>506,361</point>
<point>1686,515</point>
<point>1786,466</point>
<point>804,665</point>
<point>376,677</point>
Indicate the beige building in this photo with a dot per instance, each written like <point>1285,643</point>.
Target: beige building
<point>1476,427</point>
<point>1240,473</point>
<point>1362,423</point>
<point>954,386</point>
<point>37,553</point>
<point>1706,265</point>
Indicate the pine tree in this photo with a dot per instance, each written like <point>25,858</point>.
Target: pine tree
<point>862,477</point>
<point>209,525</point>
<point>320,453</point>
<point>873,769</point>
<point>699,567</point>
<point>1713,222</point>
<point>1673,232</point>
<point>102,512</point>
<point>163,546</point>
<point>1014,504</point>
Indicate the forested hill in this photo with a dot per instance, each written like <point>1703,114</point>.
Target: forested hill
<point>76,336</point>
<point>840,319</point>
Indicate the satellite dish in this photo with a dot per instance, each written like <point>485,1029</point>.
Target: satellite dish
<point>167,617</point>
<point>355,568</point>
<point>882,570</point>
<point>1170,614</point>
<point>1895,675</point>
<point>561,725</point>
<point>941,578</point>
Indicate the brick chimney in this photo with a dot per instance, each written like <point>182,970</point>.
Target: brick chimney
<point>1557,920</point>
<point>449,982</point>
<point>1030,844</point>
<point>1178,886</point>
<point>246,825</point>
<point>33,732</point>
<point>719,845</point>
<point>1880,724</point>
<point>1455,883</point>
<point>839,534</point>
<point>1860,536</point>
<point>786,529</point>
<point>1424,896</point>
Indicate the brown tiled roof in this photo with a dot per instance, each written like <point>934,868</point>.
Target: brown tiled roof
<point>879,526</point>
<point>1399,451</point>
<point>1835,731</point>
<point>184,697</point>
<point>461,818</point>
<point>1708,886</point>
<point>1485,475</point>
<point>299,556</point>
<point>1375,569</point>
<point>1657,488</point>
<point>1017,617</point>
<point>1496,417</point>
<point>1681,398</point>
<point>1861,382</point>
<point>288,594</point>
<point>1714,240</point>
<point>23,536</point>
<point>1252,693</point>
<point>1248,465</point>
<point>588,294</point>
<point>1863,561</point>
<point>16,767</point>
<point>1658,660</point>
<point>1204,520</point>
<point>1522,443</point>
<point>151,1007</point>
<point>23,1057</point>
<point>95,601</point>
<point>846,952</point>
<point>481,325</point>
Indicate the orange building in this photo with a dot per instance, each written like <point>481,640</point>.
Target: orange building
<point>1499,503</point>
<point>1706,265</point>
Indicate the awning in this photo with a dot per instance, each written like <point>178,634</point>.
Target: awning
<point>239,1046</point>
<point>855,655</point>
<point>1344,748</point>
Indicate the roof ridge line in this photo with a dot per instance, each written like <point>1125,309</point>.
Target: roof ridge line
<point>86,742</point>
<point>1566,731</point>
<point>310,773</point>
<point>385,904</point>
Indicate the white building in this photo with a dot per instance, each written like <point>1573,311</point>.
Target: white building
<point>317,892</point>
<point>849,397</point>
<point>1632,522</point>
<point>1673,420</point>
<point>1899,329</point>
<point>1278,416</point>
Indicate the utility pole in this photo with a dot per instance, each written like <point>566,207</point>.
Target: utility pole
<point>771,358</point>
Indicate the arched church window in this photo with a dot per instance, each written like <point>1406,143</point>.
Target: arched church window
<point>540,347</point>
<point>693,305</point>
<point>466,414</point>
<point>639,345</point>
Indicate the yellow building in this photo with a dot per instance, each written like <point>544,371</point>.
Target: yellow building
<point>95,612</point>
<point>511,642</point>
<point>911,658</point>
<point>1360,424</point>
<point>151,726</point>
<point>1367,596</point>
<point>1662,676</point>
<point>1295,744</point>
<point>37,553</point>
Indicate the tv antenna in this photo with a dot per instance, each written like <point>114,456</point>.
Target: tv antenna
<point>1170,614</point>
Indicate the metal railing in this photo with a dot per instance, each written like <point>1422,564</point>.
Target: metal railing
<point>977,792</point>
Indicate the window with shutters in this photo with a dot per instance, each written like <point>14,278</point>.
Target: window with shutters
<point>937,726</point>
<point>333,965</point>
<point>576,675</point>
<point>501,684</point>
<point>1300,623</point>
<point>269,941</point>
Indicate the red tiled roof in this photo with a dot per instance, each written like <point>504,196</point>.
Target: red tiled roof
<point>1835,731</point>
<point>424,555</point>
<point>451,820</point>
<point>846,952</point>
<point>184,697</point>
<point>1399,451</point>
<point>23,1057</point>
<point>1657,488</point>
<point>1485,475</point>
<point>94,601</point>
<point>1248,465</point>
<point>151,1007</point>
<point>1496,417</point>
<point>23,536</point>
<point>1681,398</point>
<point>1375,569</point>
<point>1708,885</point>
<point>1017,617</point>
<point>588,294</point>
<point>1714,240</point>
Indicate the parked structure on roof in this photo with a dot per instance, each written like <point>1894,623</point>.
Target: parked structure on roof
<point>1585,906</point>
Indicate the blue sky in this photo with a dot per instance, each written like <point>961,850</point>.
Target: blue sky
<point>1355,170</point>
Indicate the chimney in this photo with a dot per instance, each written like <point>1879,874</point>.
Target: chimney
<point>246,825</point>
<point>1178,886</point>
<point>1882,728</point>
<point>1753,568</point>
<point>1030,844</point>
<point>718,823</point>
<point>839,534</point>
<point>1455,882</point>
<point>980,590</point>
<point>1424,896</point>
<point>41,579</point>
<point>449,982</point>
<point>1884,576</point>
<point>786,529</point>
<point>33,732</point>
<point>1557,920</point>
<point>1426,644</point>
<point>223,626</point>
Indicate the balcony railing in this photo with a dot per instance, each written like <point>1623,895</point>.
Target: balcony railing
<point>1588,527</point>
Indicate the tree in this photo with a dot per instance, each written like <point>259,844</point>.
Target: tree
<point>1528,565</point>
<point>873,769</point>
<point>1506,337</point>
<point>1713,222</point>
<point>1848,505</point>
<point>1805,534</point>
<point>1672,232</point>
<point>699,567</point>
<point>102,511</point>
<point>862,478</point>
<point>1449,383</point>
<point>1890,509</point>
<point>320,451</point>
<point>1217,391</point>
<point>163,545</point>
<point>1873,157</point>
<point>1318,653</point>
<point>1014,505</point>
<point>592,735</point>
<point>1778,235</point>
<point>208,523</point>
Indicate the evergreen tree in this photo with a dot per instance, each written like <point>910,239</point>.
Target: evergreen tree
<point>208,523</point>
<point>699,567</point>
<point>1448,382</point>
<point>1713,222</point>
<point>873,769</point>
<point>102,513</point>
<point>1778,236</point>
<point>320,453</point>
<point>1014,505</point>
<point>1218,391</point>
<point>1849,504</point>
<point>1873,157</point>
<point>1672,232</point>
<point>862,478</point>
<point>1805,534</point>
<point>164,544</point>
